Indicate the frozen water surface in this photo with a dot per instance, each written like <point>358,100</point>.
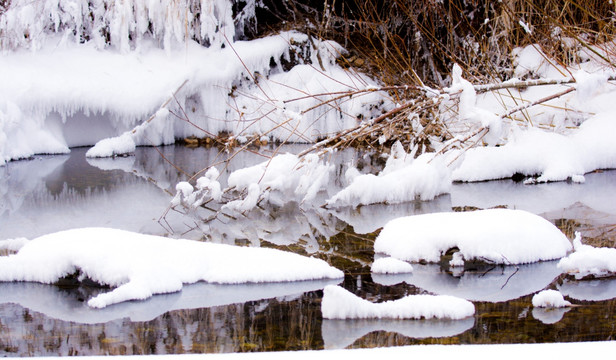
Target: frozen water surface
<point>52,193</point>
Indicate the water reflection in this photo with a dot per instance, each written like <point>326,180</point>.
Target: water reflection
<point>549,315</point>
<point>339,334</point>
<point>589,290</point>
<point>490,283</point>
<point>70,304</point>
<point>54,193</point>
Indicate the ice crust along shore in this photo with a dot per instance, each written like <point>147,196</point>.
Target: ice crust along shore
<point>139,266</point>
<point>499,236</point>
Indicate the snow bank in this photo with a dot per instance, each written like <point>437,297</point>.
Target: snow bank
<point>497,236</point>
<point>403,179</point>
<point>550,298</point>
<point>553,156</point>
<point>587,260</point>
<point>68,94</point>
<point>139,266</point>
<point>338,303</point>
<point>390,265</point>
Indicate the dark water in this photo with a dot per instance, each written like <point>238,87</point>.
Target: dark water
<point>49,194</point>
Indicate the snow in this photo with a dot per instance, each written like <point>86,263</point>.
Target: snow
<point>339,303</point>
<point>72,94</point>
<point>587,260</point>
<point>139,266</point>
<point>498,236</point>
<point>28,24</point>
<point>390,265</point>
<point>550,299</point>
<point>555,157</point>
<point>407,179</point>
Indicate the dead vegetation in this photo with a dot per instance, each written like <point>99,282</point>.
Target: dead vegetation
<point>411,47</point>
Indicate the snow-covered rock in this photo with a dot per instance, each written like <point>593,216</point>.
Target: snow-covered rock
<point>139,266</point>
<point>550,299</point>
<point>587,260</point>
<point>339,303</point>
<point>498,236</point>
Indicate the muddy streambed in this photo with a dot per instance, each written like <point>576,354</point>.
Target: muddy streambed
<point>52,193</point>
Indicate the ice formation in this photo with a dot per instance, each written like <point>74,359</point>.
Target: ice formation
<point>498,236</point>
<point>139,266</point>
<point>339,303</point>
<point>550,299</point>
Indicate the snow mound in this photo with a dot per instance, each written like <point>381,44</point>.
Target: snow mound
<point>499,236</point>
<point>139,265</point>
<point>403,179</point>
<point>590,261</point>
<point>390,265</point>
<point>339,303</point>
<point>550,299</point>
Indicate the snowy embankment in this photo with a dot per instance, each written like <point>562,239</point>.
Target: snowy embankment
<point>65,84</point>
<point>139,266</point>
<point>498,236</point>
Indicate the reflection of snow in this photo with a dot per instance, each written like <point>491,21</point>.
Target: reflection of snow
<point>502,283</point>
<point>64,305</point>
<point>338,334</point>
<point>596,193</point>
<point>549,316</point>
<point>589,290</point>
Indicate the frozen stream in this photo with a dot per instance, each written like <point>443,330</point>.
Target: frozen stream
<point>52,193</point>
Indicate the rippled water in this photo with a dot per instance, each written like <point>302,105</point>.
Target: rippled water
<point>53,193</point>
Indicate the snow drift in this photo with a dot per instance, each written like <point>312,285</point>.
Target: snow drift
<point>139,266</point>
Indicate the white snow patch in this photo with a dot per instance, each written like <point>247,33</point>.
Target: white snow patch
<point>403,179</point>
<point>390,265</point>
<point>499,236</point>
<point>339,303</point>
<point>13,244</point>
<point>139,265</point>
<point>550,299</point>
<point>587,260</point>
<point>555,157</point>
